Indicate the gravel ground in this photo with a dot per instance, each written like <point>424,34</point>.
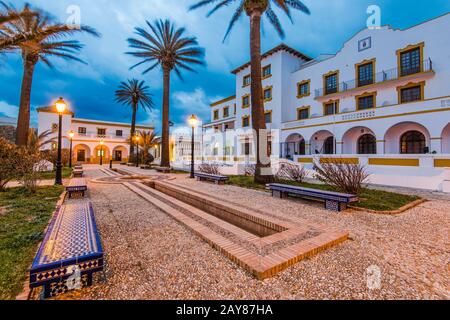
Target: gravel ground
<point>151,256</point>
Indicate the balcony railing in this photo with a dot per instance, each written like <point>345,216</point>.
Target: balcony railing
<point>95,135</point>
<point>380,77</point>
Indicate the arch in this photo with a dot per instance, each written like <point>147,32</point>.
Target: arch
<point>367,144</point>
<point>106,154</point>
<point>323,142</point>
<point>294,145</point>
<point>351,141</point>
<point>412,142</point>
<point>445,136</point>
<point>393,136</point>
<point>120,153</point>
<point>81,153</point>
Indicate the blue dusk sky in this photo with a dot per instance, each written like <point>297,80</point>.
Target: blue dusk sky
<point>90,88</point>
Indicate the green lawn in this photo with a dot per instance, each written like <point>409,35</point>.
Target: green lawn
<point>370,199</point>
<point>23,218</point>
<point>49,175</point>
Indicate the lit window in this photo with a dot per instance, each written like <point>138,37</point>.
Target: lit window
<point>101,132</point>
<point>82,130</point>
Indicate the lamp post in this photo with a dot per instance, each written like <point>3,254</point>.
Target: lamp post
<point>101,152</point>
<point>71,135</point>
<point>136,138</point>
<point>60,108</point>
<point>193,121</point>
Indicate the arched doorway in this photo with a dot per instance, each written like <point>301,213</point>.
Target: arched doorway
<point>323,142</point>
<point>295,145</point>
<point>329,146</point>
<point>120,153</point>
<point>413,142</point>
<point>81,153</point>
<point>446,140</point>
<point>101,152</point>
<point>367,144</point>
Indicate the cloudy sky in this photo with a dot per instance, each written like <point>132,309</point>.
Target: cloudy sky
<point>90,88</point>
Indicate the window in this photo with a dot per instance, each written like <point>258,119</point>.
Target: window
<point>247,80</point>
<point>303,89</point>
<point>367,144</point>
<point>246,101</point>
<point>302,113</point>
<point>100,153</point>
<point>330,108</point>
<point>119,133</point>
<point>328,146</point>
<point>331,82</point>
<point>226,112</point>
<point>81,130</point>
<point>268,116</point>
<point>101,132</point>
<point>411,92</point>
<point>267,94</point>
<point>410,60</point>
<point>267,71</point>
<point>54,127</point>
<point>412,142</point>
<point>269,148</point>
<point>365,74</point>
<point>216,114</point>
<point>366,101</point>
<point>245,121</point>
<point>247,149</point>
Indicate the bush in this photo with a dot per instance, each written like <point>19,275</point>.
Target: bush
<point>8,161</point>
<point>345,176</point>
<point>52,156</point>
<point>27,172</point>
<point>294,172</point>
<point>209,168</point>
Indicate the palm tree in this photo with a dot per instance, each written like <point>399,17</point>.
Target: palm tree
<point>255,9</point>
<point>43,40</point>
<point>7,15</point>
<point>37,142</point>
<point>134,93</point>
<point>147,141</point>
<point>166,47</point>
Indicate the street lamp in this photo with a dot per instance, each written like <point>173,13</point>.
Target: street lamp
<point>101,152</point>
<point>60,108</point>
<point>136,138</point>
<point>193,122</point>
<point>71,135</point>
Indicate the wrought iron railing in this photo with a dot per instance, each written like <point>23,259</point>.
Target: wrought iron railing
<point>380,77</point>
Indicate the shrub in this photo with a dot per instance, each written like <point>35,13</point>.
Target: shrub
<point>8,160</point>
<point>209,168</point>
<point>345,176</point>
<point>52,156</point>
<point>294,172</point>
<point>27,172</point>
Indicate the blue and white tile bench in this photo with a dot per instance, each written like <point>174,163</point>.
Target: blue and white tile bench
<point>71,251</point>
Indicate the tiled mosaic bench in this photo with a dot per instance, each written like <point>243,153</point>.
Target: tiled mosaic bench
<point>334,201</point>
<point>70,252</point>
<point>78,167</point>
<point>76,185</point>
<point>217,178</point>
<point>78,173</point>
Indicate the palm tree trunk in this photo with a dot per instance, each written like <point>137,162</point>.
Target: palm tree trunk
<point>258,119</point>
<point>165,153</point>
<point>23,121</point>
<point>132,132</point>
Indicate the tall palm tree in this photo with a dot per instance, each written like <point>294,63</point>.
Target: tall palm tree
<point>147,141</point>
<point>43,40</point>
<point>255,9</point>
<point>36,142</point>
<point>8,15</point>
<point>165,46</point>
<point>134,93</point>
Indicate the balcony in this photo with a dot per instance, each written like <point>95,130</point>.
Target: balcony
<point>380,78</point>
<point>95,136</point>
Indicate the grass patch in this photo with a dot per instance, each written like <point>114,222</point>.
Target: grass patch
<point>49,175</point>
<point>22,224</point>
<point>370,199</point>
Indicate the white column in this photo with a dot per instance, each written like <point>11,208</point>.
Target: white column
<point>436,145</point>
<point>380,146</point>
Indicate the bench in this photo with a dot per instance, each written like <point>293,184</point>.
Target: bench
<point>76,185</point>
<point>218,179</point>
<point>77,173</point>
<point>78,167</point>
<point>71,251</point>
<point>146,167</point>
<point>163,169</point>
<point>334,201</point>
<point>129,164</point>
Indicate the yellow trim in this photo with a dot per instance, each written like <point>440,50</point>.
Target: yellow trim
<point>216,114</point>
<point>264,90</point>
<point>365,95</point>
<point>243,81</point>
<point>301,83</point>
<point>328,102</point>
<point>303,108</point>
<point>223,111</point>
<point>363,63</point>
<point>411,85</point>
<point>325,76</point>
<point>442,163</point>
<point>222,101</point>
<point>340,160</point>
<point>305,160</point>
<point>262,72</point>
<point>394,162</point>
<point>408,48</point>
<point>243,97</point>
<point>268,112</point>
<point>245,117</point>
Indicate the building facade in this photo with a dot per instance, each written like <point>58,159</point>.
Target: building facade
<point>92,139</point>
<point>383,101</point>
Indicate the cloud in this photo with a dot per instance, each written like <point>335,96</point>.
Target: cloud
<point>197,102</point>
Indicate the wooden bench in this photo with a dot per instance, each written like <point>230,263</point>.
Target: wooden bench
<point>334,201</point>
<point>77,173</point>
<point>76,185</point>
<point>218,179</point>
<point>71,251</point>
<point>163,169</point>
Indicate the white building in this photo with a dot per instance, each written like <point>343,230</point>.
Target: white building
<point>88,135</point>
<point>383,101</point>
